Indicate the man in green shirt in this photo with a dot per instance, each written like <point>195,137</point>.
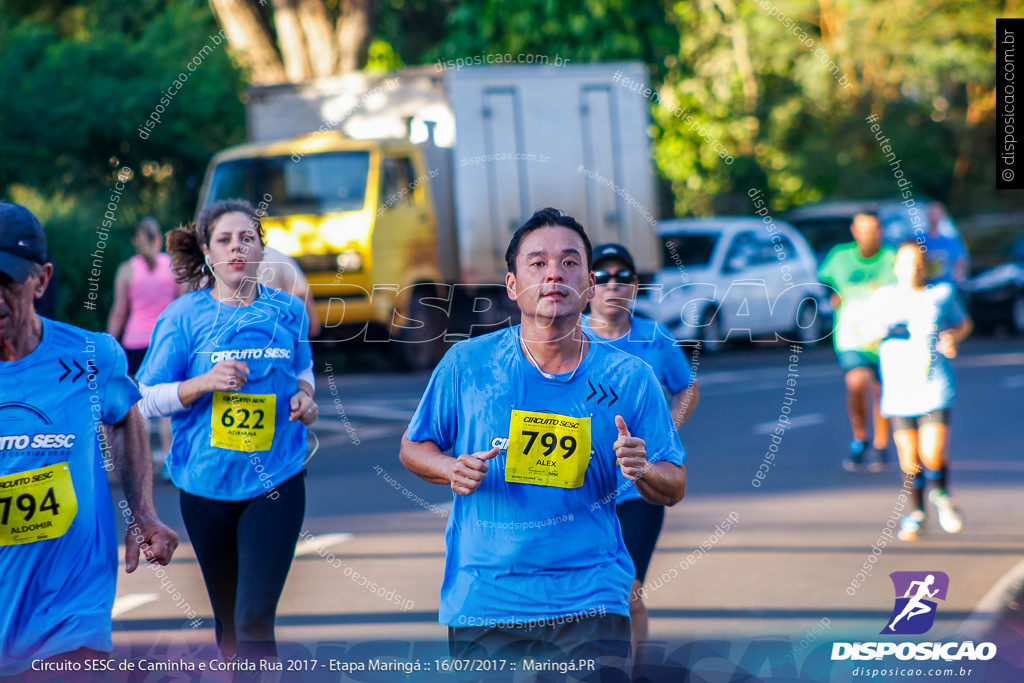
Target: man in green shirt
<point>855,270</point>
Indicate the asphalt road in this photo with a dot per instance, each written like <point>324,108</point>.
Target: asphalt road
<point>787,567</point>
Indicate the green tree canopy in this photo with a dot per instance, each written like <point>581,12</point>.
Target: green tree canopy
<point>80,80</point>
<point>786,86</point>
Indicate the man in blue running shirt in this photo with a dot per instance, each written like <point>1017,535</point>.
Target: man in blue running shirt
<point>539,420</point>
<point>58,549</point>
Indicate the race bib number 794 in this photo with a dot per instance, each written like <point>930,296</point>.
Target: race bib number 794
<point>36,505</point>
<point>547,449</point>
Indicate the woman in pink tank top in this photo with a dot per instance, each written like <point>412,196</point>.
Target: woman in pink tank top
<point>143,288</point>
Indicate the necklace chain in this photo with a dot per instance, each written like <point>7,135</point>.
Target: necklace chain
<point>536,364</point>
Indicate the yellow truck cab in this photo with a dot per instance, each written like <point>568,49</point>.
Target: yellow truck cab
<point>355,214</point>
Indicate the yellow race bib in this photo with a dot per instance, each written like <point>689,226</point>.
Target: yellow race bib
<point>243,422</point>
<point>547,449</point>
<point>36,505</point>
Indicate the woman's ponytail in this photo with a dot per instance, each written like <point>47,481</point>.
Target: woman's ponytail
<point>185,244</point>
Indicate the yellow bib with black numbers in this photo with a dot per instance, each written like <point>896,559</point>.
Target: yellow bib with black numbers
<point>547,449</point>
<point>243,422</point>
<point>36,505</point>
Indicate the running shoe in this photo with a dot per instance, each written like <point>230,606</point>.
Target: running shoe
<point>950,518</point>
<point>854,462</point>
<point>878,459</point>
<point>910,527</point>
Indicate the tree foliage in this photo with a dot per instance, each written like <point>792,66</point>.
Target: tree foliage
<point>765,81</point>
<point>80,80</point>
<point>588,31</point>
<point>786,86</point>
<point>298,40</point>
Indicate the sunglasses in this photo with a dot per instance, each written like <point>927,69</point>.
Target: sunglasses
<point>624,276</point>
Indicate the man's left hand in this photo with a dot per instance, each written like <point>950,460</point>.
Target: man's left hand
<point>630,452</point>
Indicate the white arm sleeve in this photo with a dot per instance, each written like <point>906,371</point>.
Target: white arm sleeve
<point>307,376</point>
<point>160,400</point>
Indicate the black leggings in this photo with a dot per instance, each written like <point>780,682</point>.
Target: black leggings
<point>900,423</point>
<point>245,550</point>
<point>641,525</point>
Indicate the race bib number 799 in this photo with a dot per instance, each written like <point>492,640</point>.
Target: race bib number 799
<point>36,505</point>
<point>547,449</point>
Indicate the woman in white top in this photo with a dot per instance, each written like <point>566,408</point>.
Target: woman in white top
<point>920,327</point>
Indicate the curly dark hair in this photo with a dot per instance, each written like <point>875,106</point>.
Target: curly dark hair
<point>185,244</point>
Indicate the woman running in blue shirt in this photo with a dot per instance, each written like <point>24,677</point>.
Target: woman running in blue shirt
<point>610,320</point>
<point>230,362</point>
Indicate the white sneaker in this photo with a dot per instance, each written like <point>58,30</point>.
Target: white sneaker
<point>910,527</point>
<point>950,518</point>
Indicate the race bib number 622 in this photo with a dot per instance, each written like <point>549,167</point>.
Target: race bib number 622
<point>547,449</point>
<point>36,505</point>
<point>243,422</point>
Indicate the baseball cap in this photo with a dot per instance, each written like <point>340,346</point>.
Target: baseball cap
<point>603,251</point>
<point>22,241</point>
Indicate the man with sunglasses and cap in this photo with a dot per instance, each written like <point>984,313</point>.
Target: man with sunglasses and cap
<point>58,549</point>
<point>610,322</point>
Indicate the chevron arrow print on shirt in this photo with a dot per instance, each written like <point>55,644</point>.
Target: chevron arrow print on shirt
<point>81,371</point>
<point>604,394</point>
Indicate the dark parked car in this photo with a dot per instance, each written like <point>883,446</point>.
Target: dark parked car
<point>995,297</point>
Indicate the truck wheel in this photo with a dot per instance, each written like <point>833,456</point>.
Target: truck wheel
<point>421,347</point>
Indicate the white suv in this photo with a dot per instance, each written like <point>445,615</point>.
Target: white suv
<point>736,278</point>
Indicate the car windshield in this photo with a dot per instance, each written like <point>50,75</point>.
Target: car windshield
<point>693,249</point>
<point>318,183</point>
<point>824,233</point>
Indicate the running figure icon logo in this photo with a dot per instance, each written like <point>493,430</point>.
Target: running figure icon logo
<point>914,612</point>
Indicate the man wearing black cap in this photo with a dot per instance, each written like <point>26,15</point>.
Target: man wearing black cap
<point>58,549</point>
<point>611,323</point>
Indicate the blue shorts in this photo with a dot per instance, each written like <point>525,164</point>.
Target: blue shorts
<point>851,360</point>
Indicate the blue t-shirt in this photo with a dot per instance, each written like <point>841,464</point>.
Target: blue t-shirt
<point>654,345</point>
<point>56,594</point>
<point>943,253</point>
<point>916,378</point>
<point>523,551</point>
<point>233,445</point>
